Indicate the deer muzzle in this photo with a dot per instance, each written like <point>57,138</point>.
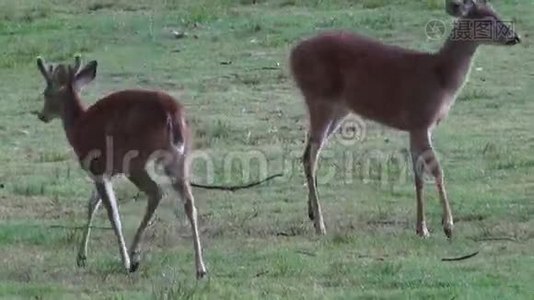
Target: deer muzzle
<point>514,41</point>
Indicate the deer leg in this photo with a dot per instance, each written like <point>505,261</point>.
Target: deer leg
<point>310,177</point>
<point>332,127</point>
<point>310,157</point>
<point>105,190</point>
<point>447,219</point>
<point>418,145</point>
<point>426,159</point>
<point>323,122</point>
<point>178,172</point>
<point>143,181</point>
<point>432,163</point>
<point>92,206</point>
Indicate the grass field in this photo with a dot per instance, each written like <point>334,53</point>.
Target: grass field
<point>230,71</point>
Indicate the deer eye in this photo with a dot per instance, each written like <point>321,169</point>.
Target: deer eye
<point>455,7</point>
<point>48,92</point>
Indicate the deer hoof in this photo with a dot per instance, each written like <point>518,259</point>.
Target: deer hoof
<point>80,260</point>
<point>422,231</point>
<point>134,266</point>
<point>448,232</point>
<point>310,215</point>
<point>447,227</point>
<point>320,230</point>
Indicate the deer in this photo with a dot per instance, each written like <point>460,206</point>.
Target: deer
<point>121,134</point>
<point>340,73</point>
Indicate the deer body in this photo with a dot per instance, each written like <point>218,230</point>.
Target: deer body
<point>121,134</point>
<point>117,125</point>
<point>339,73</point>
<point>378,81</point>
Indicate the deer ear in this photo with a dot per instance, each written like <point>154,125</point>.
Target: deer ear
<point>77,63</point>
<point>85,75</point>
<point>42,68</point>
<point>458,8</point>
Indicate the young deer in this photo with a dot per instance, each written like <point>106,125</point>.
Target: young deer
<point>120,134</point>
<point>340,73</point>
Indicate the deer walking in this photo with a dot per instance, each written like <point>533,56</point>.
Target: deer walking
<point>120,134</point>
<point>339,73</point>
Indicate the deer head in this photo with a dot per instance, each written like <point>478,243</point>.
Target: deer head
<point>477,21</point>
<point>62,82</point>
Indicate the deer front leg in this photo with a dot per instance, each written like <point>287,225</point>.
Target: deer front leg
<point>92,207</point>
<point>447,220</point>
<point>418,145</point>
<point>105,191</point>
<point>426,160</point>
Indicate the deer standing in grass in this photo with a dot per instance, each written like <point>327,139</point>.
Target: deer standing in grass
<point>120,134</point>
<point>340,73</point>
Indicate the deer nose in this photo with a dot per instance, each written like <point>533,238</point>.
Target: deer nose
<point>42,117</point>
<point>514,41</point>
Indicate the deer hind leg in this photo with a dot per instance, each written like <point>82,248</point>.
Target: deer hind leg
<point>144,183</point>
<point>178,173</point>
<point>92,207</point>
<point>424,158</point>
<point>323,122</point>
<point>332,127</point>
<point>105,190</point>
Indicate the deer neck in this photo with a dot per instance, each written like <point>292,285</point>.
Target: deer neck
<point>73,109</point>
<point>454,62</point>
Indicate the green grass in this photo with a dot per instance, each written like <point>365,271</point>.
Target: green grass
<point>231,74</point>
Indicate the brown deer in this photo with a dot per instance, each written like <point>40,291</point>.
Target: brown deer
<point>120,134</point>
<point>340,73</point>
